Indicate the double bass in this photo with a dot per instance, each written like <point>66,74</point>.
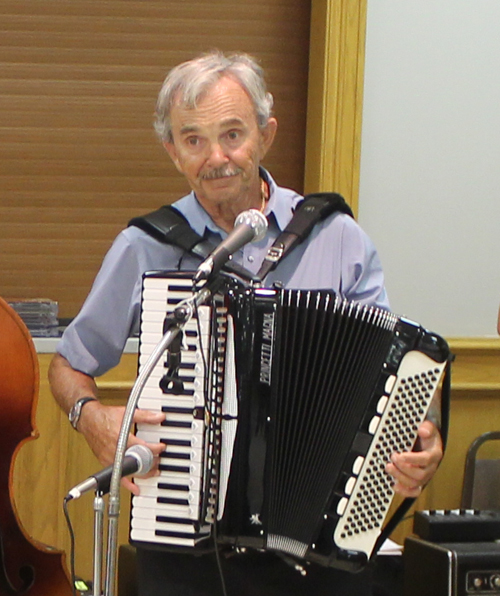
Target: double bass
<point>27,567</point>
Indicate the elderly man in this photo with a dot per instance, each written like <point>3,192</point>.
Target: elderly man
<point>214,117</point>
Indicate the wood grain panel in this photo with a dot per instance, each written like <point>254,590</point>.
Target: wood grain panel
<point>61,454</point>
<point>78,155</point>
<point>45,469</point>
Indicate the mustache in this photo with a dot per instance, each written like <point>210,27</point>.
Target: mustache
<point>222,172</point>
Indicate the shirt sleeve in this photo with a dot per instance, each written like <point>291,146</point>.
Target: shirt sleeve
<point>94,341</point>
<point>362,278</point>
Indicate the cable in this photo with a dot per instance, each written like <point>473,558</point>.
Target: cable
<point>72,545</point>
<point>217,558</point>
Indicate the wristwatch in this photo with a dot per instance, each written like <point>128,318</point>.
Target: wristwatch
<point>76,410</point>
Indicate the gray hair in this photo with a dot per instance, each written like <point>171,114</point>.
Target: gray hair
<point>192,80</point>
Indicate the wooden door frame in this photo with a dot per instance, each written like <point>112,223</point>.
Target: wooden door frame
<point>335,97</point>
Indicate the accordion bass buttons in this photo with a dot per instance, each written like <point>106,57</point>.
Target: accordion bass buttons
<point>389,384</point>
<point>357,465</point>
<point>374,422</point>
<point>341,506</point>
<point>349,485</point>
<point>382,404</point>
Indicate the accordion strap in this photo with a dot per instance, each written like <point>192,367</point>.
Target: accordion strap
<point>169,226</point>
<point>312,209</point>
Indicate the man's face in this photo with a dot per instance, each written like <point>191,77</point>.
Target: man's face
<point>218,146</point>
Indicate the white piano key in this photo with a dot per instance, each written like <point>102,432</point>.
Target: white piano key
<point>193,454</point>
<point>192,352</point>
<point>196,428</point>
<point>193,484</point>
<point>183,511</point>
<point>152,525</point>
<point>155,402</point>
<point>155,399</point>
<point>191,498</point>
<point>194,468</point>
<point>186,375</point>
<point>174,409</point>
<point>162,488</point>
<point>191,356</point>
<point>153,390</point>
<point>149,536</point>
<point>153,433</point>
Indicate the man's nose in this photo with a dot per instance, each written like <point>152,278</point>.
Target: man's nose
<point>217,155</point>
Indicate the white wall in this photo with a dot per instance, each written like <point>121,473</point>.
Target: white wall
<point>430,159</point>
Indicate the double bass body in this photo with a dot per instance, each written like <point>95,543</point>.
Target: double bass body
<point>26,567</point>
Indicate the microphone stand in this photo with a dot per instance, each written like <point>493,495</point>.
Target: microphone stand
<point>175,324</point>
<point>98,542</point>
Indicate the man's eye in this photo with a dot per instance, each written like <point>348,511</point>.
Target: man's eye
<point>193,141</point>
<point>233,135</point>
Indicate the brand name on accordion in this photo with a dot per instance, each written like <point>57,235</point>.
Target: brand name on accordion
<point>266,353</point>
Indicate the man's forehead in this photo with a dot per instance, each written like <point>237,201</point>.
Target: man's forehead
<point>225,102</point>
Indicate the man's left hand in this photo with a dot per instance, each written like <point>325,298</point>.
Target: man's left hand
<point>413,470</point>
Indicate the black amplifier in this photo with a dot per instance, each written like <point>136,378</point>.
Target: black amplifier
<point>457,525</point>
<point>451,569</point>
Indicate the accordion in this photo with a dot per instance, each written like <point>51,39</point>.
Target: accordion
<point>282,408</point>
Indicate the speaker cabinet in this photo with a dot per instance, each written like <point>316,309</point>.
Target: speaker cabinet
<point>451,569</point>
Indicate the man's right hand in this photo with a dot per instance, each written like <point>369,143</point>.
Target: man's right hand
<point>99,424</point>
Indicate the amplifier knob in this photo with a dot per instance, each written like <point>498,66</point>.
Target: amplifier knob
<point>495,580</point>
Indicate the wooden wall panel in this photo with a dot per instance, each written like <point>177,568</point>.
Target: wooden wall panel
<point>78,155</point>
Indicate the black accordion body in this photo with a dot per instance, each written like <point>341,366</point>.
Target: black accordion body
<point>282,409</point>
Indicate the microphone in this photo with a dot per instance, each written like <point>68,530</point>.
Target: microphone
<point>138,460</point>
<point>249,226</point>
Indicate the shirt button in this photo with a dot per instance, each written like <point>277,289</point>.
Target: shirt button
<point>251,258</point>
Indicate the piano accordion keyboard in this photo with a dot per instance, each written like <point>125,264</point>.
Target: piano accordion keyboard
<point>170,507</point>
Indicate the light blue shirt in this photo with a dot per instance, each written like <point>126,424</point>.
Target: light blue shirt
<point>337,255</point>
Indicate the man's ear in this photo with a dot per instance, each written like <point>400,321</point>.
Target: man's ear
<point>267,136</point>
<point>171,150</point>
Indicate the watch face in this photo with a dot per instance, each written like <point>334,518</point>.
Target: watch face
<point>76,410</point>
<point>74,413</point>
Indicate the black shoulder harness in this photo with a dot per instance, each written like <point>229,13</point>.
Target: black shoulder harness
<point>168,225</point>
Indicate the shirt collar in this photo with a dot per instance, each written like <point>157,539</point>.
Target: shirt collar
<point>278,205</point>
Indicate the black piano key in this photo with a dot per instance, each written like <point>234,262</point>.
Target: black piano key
<point>172,501</point>
<point>174,520</point>
<point>169,486</point>
<point>167,468</point>
<point>179,534</point>
<point>176,410</point>
<point>174,455</point>
<point>176,424</point>
<point>177,442</point>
